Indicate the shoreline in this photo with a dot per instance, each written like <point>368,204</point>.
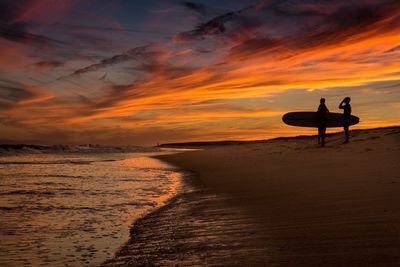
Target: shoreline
<point>75,210</point>
<point>201,144</point>
<point>177,233</point>
<point>250,208</point>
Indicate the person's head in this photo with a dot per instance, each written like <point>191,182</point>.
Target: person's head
<point>347,100</point>
<point>322,101</point>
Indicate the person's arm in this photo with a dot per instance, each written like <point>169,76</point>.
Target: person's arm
<point>341,106</point>
<point>326,110</point>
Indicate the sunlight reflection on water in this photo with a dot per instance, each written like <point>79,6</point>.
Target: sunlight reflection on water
<point>76,210</point>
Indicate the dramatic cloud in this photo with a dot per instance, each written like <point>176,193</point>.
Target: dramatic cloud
<point>295,25</point>
<point>159,71</point>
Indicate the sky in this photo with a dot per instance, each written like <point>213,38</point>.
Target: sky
<point>155,71</point>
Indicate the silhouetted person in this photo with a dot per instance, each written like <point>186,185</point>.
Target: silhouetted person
<point>345,105</point>
<point>321,121</point>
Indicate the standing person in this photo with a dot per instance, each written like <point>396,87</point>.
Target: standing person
<point>321,121</point>
<point>345,105</point>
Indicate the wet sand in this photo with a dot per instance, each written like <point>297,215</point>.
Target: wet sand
<point>282,202</point>
<point>76,209</point>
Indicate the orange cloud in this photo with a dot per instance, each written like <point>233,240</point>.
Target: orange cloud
<point>232,76</point>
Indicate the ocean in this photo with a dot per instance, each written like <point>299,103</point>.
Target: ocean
<point>76,209</point>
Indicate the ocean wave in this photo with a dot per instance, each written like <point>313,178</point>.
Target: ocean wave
<point>49,192</point>
<point>61,176</point>
<point>27,192</point>
<point>134,203</point>
<point>12,208</point>
<point>54,162</point>
<point>43,162</point>
<point>49,208</point>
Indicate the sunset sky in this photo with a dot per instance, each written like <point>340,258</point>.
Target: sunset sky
<point>146,71</point>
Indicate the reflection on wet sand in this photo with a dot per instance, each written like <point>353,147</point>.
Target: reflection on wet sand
<point>76,210</point>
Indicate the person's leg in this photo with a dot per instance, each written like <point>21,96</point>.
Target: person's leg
<point>346,133</point>
<point>319,135</point>
<point>323,131</point>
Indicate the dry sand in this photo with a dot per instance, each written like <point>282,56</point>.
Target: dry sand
<point>282,202</point>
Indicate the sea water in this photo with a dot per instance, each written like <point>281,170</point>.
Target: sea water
<point>76,209</point>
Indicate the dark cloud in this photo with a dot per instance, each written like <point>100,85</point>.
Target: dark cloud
<point>352,20</point>
<point>12,93</point>
<point>252,46</point>
<point>393,49</point>
<point>199,8</point>
<point>309,9</point>
<point>333,23</point>
<point>218,25</point>
<point>46,64</point>
<point>296,24</point>
<point>72,27</point>
<point>16,32</point>
<point>139,54</point>
<point>213,27</point>
<point>11,9</point>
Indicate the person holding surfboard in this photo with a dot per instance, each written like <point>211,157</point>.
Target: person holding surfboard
<point>321,121</point>
<point>345,105</point>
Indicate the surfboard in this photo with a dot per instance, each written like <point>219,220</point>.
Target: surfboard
<point>309,119</point>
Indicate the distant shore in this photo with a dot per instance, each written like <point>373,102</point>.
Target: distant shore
<point>282,202</point>
<point>15,149</point>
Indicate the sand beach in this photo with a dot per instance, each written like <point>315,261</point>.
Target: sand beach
<point>281,202</point>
